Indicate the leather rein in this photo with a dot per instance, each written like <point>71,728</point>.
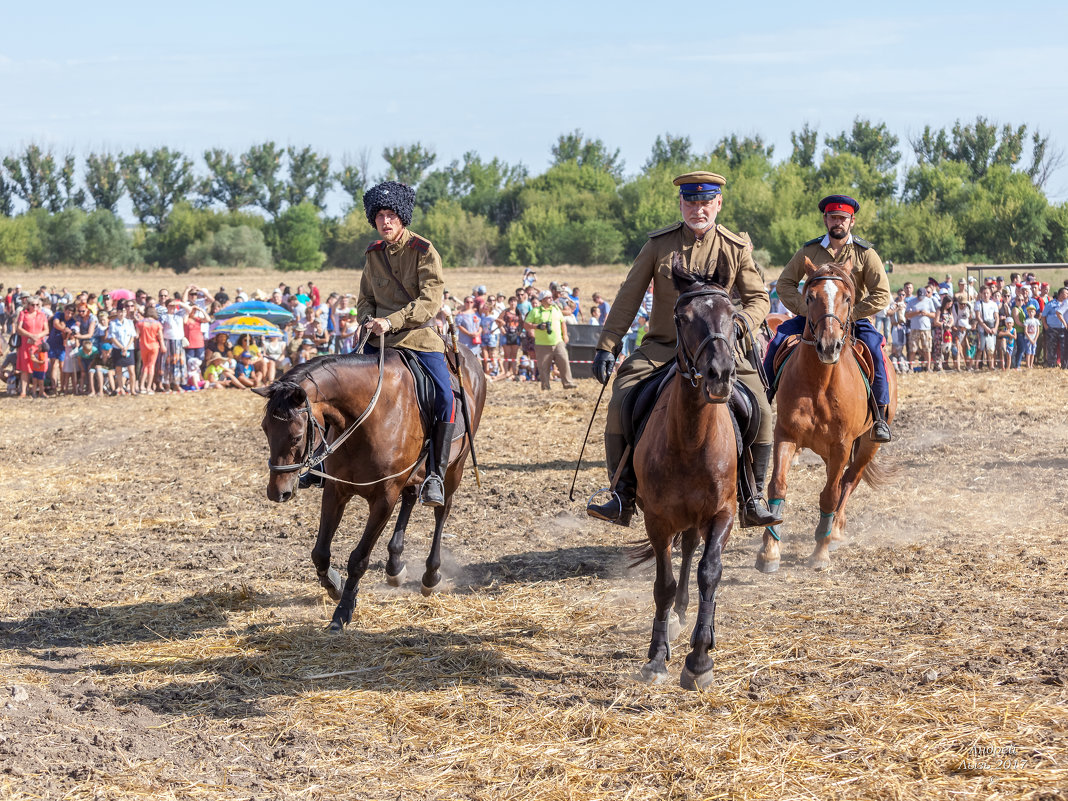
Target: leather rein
<point>687,361</point>
<point>314,429</point>
<point>810,326</point>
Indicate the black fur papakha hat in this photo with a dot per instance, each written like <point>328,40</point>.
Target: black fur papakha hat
<point>390,195</point>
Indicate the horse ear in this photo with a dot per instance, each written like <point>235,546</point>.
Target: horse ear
<point>682,277</point>
<point>297,396</point>
<point>810,268</point>
<point>263,392</point>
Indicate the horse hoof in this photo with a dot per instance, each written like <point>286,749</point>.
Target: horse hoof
<point>397,580</point>
<point>652,674</point>
<point>689,680</point>
<point>427,591</point>
<point>819,563</point>
<point>333,585</point>
<point>674,627</point>
<point>765,565</point>
<point>336,627</point>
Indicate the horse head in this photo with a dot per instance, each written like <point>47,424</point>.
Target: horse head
<point>829,301</point>
<point>704,330</point>
<point>285,422</point>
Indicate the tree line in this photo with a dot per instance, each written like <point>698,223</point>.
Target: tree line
<point>973,192</point>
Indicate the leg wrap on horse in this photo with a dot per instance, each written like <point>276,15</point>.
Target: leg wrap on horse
<point>824,528</point>
<point>777,505</point>
<point>706,619</point>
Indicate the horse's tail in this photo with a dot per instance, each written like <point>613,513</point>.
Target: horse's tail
<point>642,552</point>
<point>877,475</point>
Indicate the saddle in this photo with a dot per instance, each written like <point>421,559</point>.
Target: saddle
<point>426,391</point>
<point>789,345</point>
<point>639,403</point>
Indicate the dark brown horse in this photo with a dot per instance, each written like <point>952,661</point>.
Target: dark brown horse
<point>822,405</point>
<point>382,460</point>
<point>686,466</point>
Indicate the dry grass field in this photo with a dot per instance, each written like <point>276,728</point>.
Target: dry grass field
<point>164,634</point>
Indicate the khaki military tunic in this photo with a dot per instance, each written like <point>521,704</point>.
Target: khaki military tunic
<point>872,287</point>
<point>415,265</point>
<point>718,253</point>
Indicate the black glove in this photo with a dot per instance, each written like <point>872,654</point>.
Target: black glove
<point>603,363</point>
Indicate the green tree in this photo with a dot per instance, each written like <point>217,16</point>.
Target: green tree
<point>488,188</point>
<point>62,237</point>
<point>309,177</point>
<point>103,177</point>
<point>669,151</point>
<point>804,146</point>
<point>73,195</point>
<point>354,177</point>
<point>156,181</point>
<point>736,150</point>
<point>574,148</point>
<point>7,197</point>
<point>873,144</point>
<point>462,239</point>
<point>347,245</point>
<point>33,178</point>
<point>106,240</point>
<point>232,246</point>
<point>299,238</point>
<point>231,181</point>
<point>408,164</point>
<point>17,238</point>
<point>265,162</point>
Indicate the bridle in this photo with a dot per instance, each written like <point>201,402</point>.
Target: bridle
<point>687,360</point>
<point>312,458</point>
<point>810,325</point>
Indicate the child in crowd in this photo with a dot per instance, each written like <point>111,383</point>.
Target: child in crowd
<point>1032,327</point>
<point>39,368</point>
<point>85,354</point>
<point>214,371</point>
<point>526,369</point>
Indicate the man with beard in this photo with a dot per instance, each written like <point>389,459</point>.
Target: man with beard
<point>708,249</point>
<point>872,293</point>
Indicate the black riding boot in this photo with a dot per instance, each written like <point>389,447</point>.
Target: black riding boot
<point>308,481</point>
<point>618,509</point>
<point>432,493</point>
<point>880,430</point>
<point>751,476</point>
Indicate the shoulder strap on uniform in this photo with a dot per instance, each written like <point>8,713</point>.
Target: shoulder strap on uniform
<point>863,244</point>
<point>730,236</point>
<point>418,243</point>
<point>817,240</point>
<point>667,229</point>
<point>377,245</point>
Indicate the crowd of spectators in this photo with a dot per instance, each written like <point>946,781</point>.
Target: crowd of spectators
<point>121,342</point>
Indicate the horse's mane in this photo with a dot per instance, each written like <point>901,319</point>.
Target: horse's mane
<point>280,393</point>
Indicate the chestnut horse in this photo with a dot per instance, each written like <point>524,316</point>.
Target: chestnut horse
<point>382,459</point>
<point>686,465</point>
<point>822,405</point>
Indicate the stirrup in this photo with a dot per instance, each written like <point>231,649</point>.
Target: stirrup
<point>624,512</point>
<point>432,491</point>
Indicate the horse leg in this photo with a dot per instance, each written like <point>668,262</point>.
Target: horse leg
<point>677,622</point>
<point>865,452</point>
<point>431,577</point>
<point>820,559</point>
<point>767,560</point>
<point>396,570</point>
<point>378,514</point>
<point>330,512</point>
<point>664,585</point>
<point>697,674</point>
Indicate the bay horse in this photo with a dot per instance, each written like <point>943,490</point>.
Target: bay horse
<point>382,459</point>
<point>686,465</point>
<point>822,405</point>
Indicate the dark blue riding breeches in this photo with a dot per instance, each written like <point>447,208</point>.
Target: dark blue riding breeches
<point>863,330</point>
<point>435,365</point>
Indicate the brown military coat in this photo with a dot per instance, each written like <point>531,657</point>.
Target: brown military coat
<point>719,252</point>
<point>869,278</point>
<point>416,266</point>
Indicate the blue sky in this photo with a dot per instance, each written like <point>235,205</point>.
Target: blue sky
<point>506,79</point>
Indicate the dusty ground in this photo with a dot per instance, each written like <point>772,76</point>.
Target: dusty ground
<point>163,631</point>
